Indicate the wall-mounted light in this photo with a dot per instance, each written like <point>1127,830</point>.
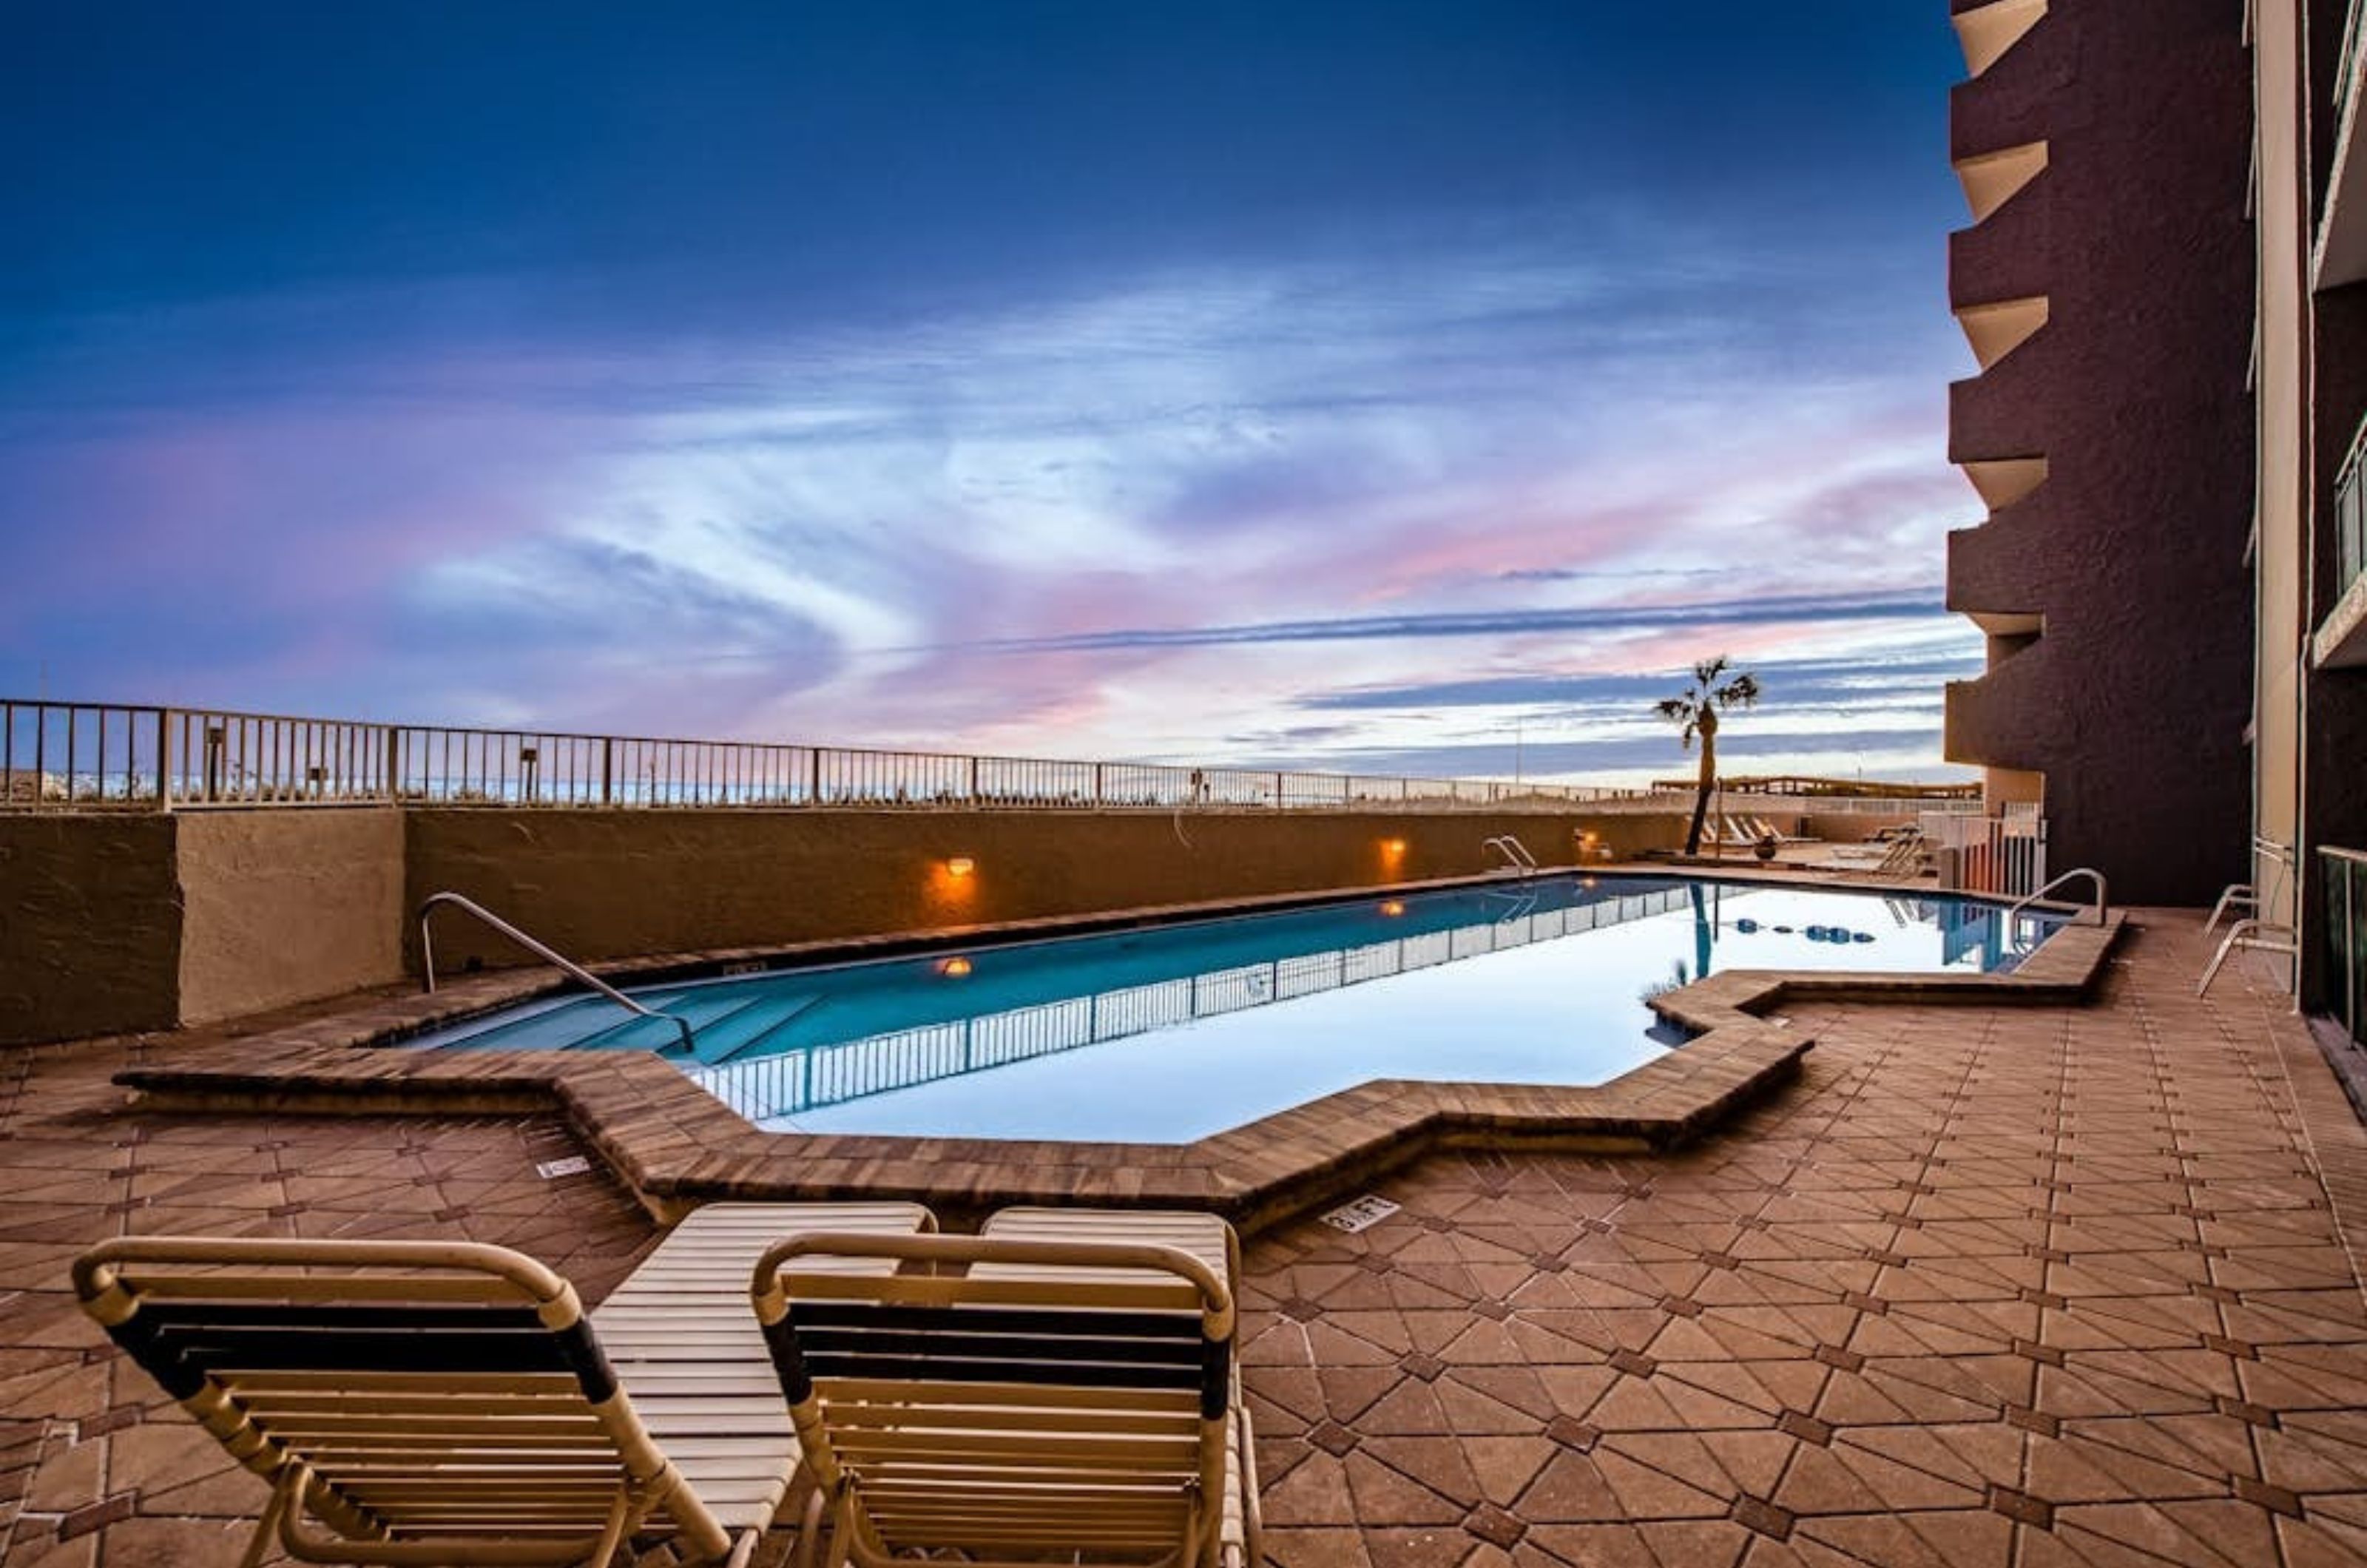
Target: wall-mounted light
<point>960,865</point>
<point>954,968</point>
<point>1393,846</point>
<point>1394,906</point>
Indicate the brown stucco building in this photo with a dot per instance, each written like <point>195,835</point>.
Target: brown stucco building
<point>2165,285</point>
<point>2104,147</point>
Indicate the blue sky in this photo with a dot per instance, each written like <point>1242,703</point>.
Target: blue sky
<point>1338,385</point>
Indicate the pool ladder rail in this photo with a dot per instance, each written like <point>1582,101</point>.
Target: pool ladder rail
<point>429,904</point>
<point>2099,908</point>
<point>1516,853</point>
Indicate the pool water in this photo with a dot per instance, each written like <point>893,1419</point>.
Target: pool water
<point>1169,1033</point>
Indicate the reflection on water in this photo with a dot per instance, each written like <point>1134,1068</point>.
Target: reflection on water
<point>776,1086</point>
<point>1167,1033</point>
<point>1544,1018</point>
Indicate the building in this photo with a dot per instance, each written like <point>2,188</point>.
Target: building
<point>2309,754</point>
<point>2104,147</point>
<point>2165,285</point>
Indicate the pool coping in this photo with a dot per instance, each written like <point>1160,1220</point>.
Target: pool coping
<point>676,1146</point>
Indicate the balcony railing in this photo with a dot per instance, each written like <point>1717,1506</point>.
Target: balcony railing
<point>83,756</point>
<point>2346,72</point>
<point>2346,937</point>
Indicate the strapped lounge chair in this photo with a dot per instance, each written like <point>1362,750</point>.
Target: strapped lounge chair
<point>1029,1396</point>
<point>427,1402</point>
<point>448,1403</point>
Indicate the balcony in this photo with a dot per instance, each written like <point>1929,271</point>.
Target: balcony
<point>2346,938</point>
<point>2342,228</point>
<point>2341,638</point>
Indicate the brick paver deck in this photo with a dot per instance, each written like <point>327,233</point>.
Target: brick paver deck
<point>2026,1285</point>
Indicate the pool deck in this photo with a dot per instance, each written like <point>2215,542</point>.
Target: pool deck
<point>2020,1280</point>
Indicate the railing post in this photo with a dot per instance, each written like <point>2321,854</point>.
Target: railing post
<point>164,758</point>
<point>814,775</point>
<point>973,781</point>
<point>1101,796</point>
<point>1277,792</point>
<point>608,769</point>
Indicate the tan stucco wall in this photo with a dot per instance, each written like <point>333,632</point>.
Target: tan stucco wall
<point>610,885</point>
<point>2282,381</point>
<point>118,922</point>
<point>286,906</point>
<point>90,926</point>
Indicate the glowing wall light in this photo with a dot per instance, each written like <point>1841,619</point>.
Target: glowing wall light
<point>954,969</point>
<point>960,865</point>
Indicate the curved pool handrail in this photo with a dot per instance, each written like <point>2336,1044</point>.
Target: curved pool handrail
<point>427,907</point>
<point>1516,853</point>
<point>2089,872</point>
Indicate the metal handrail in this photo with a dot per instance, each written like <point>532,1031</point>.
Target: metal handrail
<point>428,957</point>
<point>1515,852</point>
<point>2089,872</point>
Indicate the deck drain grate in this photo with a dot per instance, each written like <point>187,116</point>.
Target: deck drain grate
<point>1360,1215</point>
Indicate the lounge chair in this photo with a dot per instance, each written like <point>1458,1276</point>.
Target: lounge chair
<point>2251,896</point>
<point>427,1402</point>
<point>1044,1388</point>
<point>450,1401</point>
<point>2255,933</point>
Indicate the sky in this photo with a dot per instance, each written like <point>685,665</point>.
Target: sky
<point>1367,385</point>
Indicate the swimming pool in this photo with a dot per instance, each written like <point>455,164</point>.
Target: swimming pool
<point>1169,1033</point>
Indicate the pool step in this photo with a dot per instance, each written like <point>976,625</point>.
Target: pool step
<point>582,1022</point>
<point>700,1006</point>
<point>744,1030</point>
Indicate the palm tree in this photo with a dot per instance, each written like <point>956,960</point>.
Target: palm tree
<point>1712,692</point>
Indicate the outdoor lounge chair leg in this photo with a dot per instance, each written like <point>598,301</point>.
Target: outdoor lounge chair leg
<point>2237,893</point>
<point>744,1549</point>
<point>2235,934</point>
<point>809,1530</point>
<point>266,1530</point>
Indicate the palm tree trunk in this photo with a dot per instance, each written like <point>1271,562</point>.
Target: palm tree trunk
<point>1708,780</point>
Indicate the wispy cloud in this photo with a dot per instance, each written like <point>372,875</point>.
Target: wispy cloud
<point>1443,469</point>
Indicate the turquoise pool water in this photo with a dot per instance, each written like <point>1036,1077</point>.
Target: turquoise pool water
<point>1169,1033</point>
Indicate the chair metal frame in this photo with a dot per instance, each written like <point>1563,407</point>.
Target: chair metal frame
<point>426,1402</point>
<point>1011,1393</point>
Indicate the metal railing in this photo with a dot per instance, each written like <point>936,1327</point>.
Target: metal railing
<point>434,901</point>
<point>2346,68</point>
<point>1516,853</point>
<point>2346,937</point>
<point>2002,855</point>
<point>88,755</point>
<point>2077,873</point>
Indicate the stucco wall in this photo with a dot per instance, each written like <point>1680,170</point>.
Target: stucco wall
<point>118,922</point>
<point>283,906</point>
<point>2134,699</point>
<point>90,926</point>
<point>608,885</point>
